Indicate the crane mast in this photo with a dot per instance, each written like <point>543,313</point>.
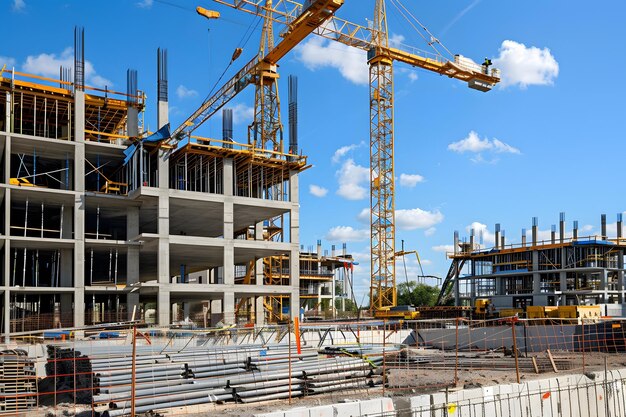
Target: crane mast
<point>382,187</point>
<point>266,131</point>
<point>317,16</point>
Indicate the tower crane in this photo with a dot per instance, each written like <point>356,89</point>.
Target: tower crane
<point>375,41</point>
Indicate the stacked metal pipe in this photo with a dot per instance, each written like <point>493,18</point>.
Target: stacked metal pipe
<point>167,377</point>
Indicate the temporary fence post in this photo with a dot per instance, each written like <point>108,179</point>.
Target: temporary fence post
<point>456,359</point>
<point>515,350</point>
<point>296,322</point>
<point>384,356</point>
<point>289,350</point>
<point>132,372</point>
<point>583,342</point>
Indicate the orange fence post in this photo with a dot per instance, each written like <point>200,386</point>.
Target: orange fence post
<point>296,323</point>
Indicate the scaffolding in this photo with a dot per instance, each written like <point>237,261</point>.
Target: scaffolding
<point>563,270</point>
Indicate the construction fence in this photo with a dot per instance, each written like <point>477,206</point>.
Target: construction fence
<point>101,370</point>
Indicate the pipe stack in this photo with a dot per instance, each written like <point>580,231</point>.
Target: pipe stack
<point>168,377</point>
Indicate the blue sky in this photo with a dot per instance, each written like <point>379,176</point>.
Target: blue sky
<point>548,140</point>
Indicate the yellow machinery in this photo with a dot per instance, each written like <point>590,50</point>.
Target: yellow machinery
<point>398,313</point>
<point>564,312</point>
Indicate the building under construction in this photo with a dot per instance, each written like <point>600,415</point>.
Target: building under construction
<point>104,222</point>
<point>565,269</point>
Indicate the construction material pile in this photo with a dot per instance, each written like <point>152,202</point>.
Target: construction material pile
<point>424,359</point>
<point>69,377</point>
<point>18,390</point>
<point>200,375</point>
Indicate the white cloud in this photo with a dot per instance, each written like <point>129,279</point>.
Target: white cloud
<point>417,219</point>
<point>318,53</point>
<point>413,76</point>
<point>341,152</point>
<point>523,66</point>
<point>184,92</point>
<point>145,4</point>
<point>351,178</point>
<point>410,180</point>
<point>48,65</point>
<point>474,144</point>
<point>364,216</point>
<point>395,40</point>
<point>488,238</point>
<point>19,5</point>
<point>410,219</point>
<point>10,62</point>
<point>443,248</point>
<point>242,113</point>
<point>347,234</point>
<point>317,191</point>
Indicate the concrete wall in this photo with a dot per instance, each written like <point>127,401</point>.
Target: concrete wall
<point>590,395</point>
<point>565,396</point>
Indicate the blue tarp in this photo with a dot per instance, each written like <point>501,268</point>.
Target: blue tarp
<point>159,135</point>
<point>56,334</point>
<point>592,242</point>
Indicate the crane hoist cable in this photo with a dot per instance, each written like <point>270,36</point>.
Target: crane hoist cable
<point>242,43</point>
<point>406,13</point>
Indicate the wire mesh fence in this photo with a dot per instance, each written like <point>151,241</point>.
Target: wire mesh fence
<point>101,370</point>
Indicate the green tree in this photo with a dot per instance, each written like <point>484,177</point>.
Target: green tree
<point>419,295</point>
<point>350,305</point>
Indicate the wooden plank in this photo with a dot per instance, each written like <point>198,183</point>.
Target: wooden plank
<point>552,361</point>
<point>535,364</point>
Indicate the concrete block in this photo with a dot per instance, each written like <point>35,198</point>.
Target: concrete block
<point>377,406</point>
<point>489,398</point>
<point>469,394</point>
<point>419,406</point>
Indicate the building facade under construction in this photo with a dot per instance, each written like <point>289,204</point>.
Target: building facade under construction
<point>564,269</point>
<point>103,221</point>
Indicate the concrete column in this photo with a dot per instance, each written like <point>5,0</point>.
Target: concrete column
<point>79,209</point>
<point>294,303</point>
<point>7,113</point>
<point>229,248</point>
<point>294,235</point>
<point>258,270</point>
<point>216,308</point>
<point>229,307</point>
<point>536,283</point>
<point>229,263</point>
<point>563,281</point>
<point>163,225</point>
<point>163,306</point>
<point>228,176</point>
<point>132,261</point>
<point>259,311</point>
<point>132,121</point>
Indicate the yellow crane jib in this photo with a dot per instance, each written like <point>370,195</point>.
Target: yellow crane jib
<point>300,23</point>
